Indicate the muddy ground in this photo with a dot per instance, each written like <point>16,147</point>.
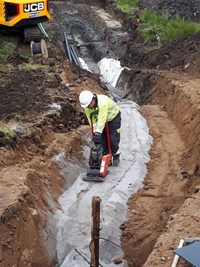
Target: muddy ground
<point>164,82</point>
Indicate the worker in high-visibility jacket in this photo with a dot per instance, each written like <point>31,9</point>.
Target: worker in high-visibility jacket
<point>106,110</point>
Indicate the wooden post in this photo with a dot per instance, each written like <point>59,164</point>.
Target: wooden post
<point>95,232</point>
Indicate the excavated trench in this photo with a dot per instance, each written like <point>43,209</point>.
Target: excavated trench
<point>167,102</point>
<point>94,32</point>
<point>97,35</point>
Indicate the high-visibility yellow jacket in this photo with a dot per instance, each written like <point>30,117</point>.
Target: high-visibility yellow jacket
<point>107,111</point>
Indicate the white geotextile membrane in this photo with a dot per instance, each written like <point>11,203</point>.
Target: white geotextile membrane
<point>110,70</point>
<point>83,64</point>
<point>74,221</point>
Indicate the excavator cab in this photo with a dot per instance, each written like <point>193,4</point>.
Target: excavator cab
<point>24,15</point>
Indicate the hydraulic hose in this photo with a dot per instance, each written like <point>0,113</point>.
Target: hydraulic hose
<point>42,29</point>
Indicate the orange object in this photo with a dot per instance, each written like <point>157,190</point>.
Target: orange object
<point>98,163</point>
<point>104,165</point>
<point>106,158</point>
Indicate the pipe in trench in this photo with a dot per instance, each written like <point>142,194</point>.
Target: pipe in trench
<point>176,257</point>
<point>67,46</point>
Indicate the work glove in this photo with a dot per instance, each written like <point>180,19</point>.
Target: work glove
<point>97,138</point>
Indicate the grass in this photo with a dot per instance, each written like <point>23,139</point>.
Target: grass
<point>6,68</point>
<point>5,52</point>
<point>126,5</point>
<point>30,66</point>
<point>26,54</point>
<point>8,44</point>
<point>7,132</point>
<point>160,26</point>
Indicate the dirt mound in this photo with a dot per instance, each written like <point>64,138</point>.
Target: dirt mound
<point>16,59</point>
<point>35,97</point>
<point>39,101</point>
<point>177,54</point>
<point>22,93</point>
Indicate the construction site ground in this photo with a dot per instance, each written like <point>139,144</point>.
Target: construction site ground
<point>166,85</point>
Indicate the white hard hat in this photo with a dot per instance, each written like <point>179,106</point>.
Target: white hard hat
<point>85,98</point>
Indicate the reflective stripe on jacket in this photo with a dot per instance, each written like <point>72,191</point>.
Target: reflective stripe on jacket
<point>107,111</point>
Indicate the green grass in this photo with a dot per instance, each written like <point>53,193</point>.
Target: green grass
<point>8,44</point>
<point>160,26</point>
<point>30,66</point>
<point>7,132</point>
<point>5,52</point>
<point>6,68</point>
<point>126,5</point>
<point>26,54</point>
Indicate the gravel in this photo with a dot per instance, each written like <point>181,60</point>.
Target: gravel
<point>186,9</point>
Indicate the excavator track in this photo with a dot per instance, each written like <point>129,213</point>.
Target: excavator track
<point>32,33</point>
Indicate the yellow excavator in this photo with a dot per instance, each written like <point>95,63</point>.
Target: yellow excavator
<point>24,15</point>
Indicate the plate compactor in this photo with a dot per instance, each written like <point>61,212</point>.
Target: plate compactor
<point>98,162</point>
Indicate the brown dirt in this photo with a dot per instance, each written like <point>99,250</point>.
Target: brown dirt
<point>158,208</point>
<point>160,214</point>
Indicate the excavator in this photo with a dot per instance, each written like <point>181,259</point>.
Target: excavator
<point>24,16</point>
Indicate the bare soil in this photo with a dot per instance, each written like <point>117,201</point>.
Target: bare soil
<point>166,85</point>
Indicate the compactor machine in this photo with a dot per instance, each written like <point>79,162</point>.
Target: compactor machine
<point>98,162</point>
<point>24,15</point>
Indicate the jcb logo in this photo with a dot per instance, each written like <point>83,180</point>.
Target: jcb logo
<point>34,7</point>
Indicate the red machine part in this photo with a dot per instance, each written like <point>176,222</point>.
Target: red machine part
<point>106,158</point>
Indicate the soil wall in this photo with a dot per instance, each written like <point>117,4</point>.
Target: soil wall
<point>179,97</point>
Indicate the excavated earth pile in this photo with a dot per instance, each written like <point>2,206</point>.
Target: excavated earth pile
<point>39,101</point>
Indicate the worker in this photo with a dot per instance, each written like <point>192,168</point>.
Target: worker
<point>107,110</point>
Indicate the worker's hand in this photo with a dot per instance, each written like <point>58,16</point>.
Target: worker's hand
<point>97,138</point>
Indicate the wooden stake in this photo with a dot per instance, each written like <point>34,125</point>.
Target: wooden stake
<point>95,232</point>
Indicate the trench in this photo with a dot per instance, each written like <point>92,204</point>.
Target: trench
<point>97,36</point>
<point>135,85</point>
<point>74,221</point>
<point>100,41</point>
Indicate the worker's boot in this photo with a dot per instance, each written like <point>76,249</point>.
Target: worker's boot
<point>116,160</point>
